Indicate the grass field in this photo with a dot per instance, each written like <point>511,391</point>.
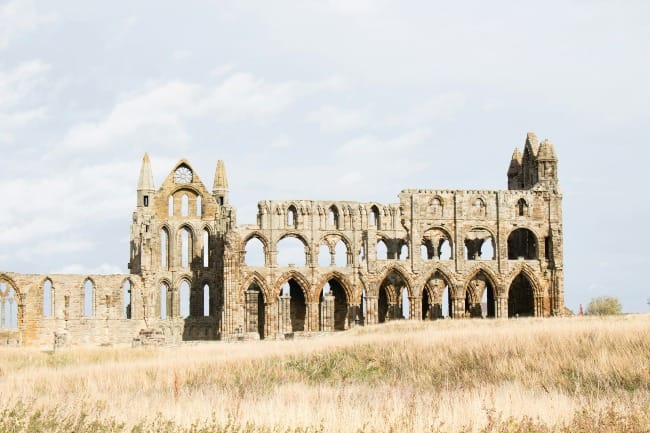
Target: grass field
<point>527,375</point>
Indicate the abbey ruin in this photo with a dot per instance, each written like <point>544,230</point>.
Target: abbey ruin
<point>197,275</point>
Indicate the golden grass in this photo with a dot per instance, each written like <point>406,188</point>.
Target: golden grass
<point>526,375</point>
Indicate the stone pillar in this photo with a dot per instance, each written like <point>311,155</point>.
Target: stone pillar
<point>327,313</point>
<point>270,320</point>
<point>284,314</point>
<point>501,307</point>
<point>458,307</point>
<point>371,310</point>
<point>311,319</point>
<point>251,313</point>
<point>539,306</point>
<point>415,307</point>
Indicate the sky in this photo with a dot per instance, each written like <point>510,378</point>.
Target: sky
<point>330,99</point>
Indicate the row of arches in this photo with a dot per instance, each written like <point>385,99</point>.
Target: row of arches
<point>333,217</point>
<point>292,308</point>
<point>182,247</point>
<point>335,250</point>
<point>190,303</point>
<point>183,202</point>
<point>89,300</point>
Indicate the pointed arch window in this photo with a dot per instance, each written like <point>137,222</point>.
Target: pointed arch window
<point>185,205</point>
<point>170,206</point>
<point>292,217</point>
<point>199,206</point>
<point>48,298</point>
<point>127,296</point>
<point>522,207</point>
<point>89,298</point>
<point>206,248</point>
<point>186,247</point>
<point>206,300</point>
<point>165,301</point>
<point>164,249</point>
<point>333,217</point>
<point>373,218</point>
<point>184,292</point>
<point>8,306</point>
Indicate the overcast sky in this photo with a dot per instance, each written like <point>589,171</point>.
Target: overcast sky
<point>338,99</point>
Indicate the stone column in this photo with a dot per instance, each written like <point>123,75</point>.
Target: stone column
<point>327,314</point>
<point>311,319</point>
<point>270,320</point>
<point>251,313</point>
<point>458,307</point>
<point>501,307</point>
<point>371,310</point>
<point>415,307</point>
<point>539,306</point>
<point>284,315</point>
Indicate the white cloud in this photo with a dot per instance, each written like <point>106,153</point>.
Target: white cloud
<point>18,16</point>
<point>352,7</point>
<point>333,119</point>
<point>103,269</point>
<point>439,107</point>
<point>370,145</point>
<point>282,142</point>
<point>20,83</point>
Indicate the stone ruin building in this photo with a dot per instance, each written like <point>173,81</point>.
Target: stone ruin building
<point>436,253</point>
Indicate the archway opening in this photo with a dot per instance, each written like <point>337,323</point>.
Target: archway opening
<point>257,315</point>
<point>522,244</point>
<point>165,301</point>
<point>127,299</point>
<point>254,252</point>
<point>184,292</point>
<point>521,298</point>
<point>297,304</point>
<point>393,300</point>
<point>48,299</point>
<point>8,306</point>
<point>438,298</point>
<point>338,317</point>
<point>382,250</point>
<point>479,297</point>
<point>292,251</point>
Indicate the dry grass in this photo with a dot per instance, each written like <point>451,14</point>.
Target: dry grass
<point>552,375</point>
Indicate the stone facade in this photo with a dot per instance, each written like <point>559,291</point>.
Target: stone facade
<point>436,253</point>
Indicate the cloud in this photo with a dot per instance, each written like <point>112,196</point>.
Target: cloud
<point>16,17</point>
<point>19,84</point>
<point>103,269</point>
<point>370,145</point>
<point>157,115</point>
<point>333,119</point>
<point>439,107</point>
<point>352,7</point>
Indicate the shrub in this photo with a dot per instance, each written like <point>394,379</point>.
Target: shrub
<point>604,306</point>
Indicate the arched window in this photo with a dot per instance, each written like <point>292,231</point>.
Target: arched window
<point>382,250</point>
<point>185,205</point>
<point>170,206</point>
<point>291,250</point>
<point>164,248</point>
<point>292,217</point>
<point>206,248</point>
<point>48,298</point>
<point>333,217</point>
<point>404,252</point>
<point>184,293</point>
<point>8,307</point>
<point>199,208</point>
<point>341,254</point>
<point>186,247</point>
<point>479,207</point>
<point>436,207</point>
<point>165,301</point>
<point>89,298</point>
<point>127,296</point>
<point>254,255</point>
<point>206,301</point>
<point>373,217</point>
<point>522,207</point>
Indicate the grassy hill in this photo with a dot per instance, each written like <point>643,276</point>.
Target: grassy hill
<point>526,375</point>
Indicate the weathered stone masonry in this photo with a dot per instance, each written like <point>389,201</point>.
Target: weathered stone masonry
<point>435,254</point>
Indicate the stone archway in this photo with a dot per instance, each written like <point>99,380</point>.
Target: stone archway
<point>521,297</point>
<point>480,297</point>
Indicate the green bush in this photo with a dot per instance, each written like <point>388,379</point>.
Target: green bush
<point>604,306</point>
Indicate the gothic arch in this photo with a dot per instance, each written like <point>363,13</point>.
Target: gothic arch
<point>527,271</point>
<point>424,279</point>
<point>397,268</point>
<point>293,234</point>
<point>523,242</point>
<point>494,279</point>
<point>342,280</point>
<point>300,279</point>
<point>260,281</point>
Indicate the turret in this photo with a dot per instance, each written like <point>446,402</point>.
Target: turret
<point>529,164</point>
<point>145,183</point>
<point>546,162</point>
<point>220,186</point>
<point>515,173</point>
